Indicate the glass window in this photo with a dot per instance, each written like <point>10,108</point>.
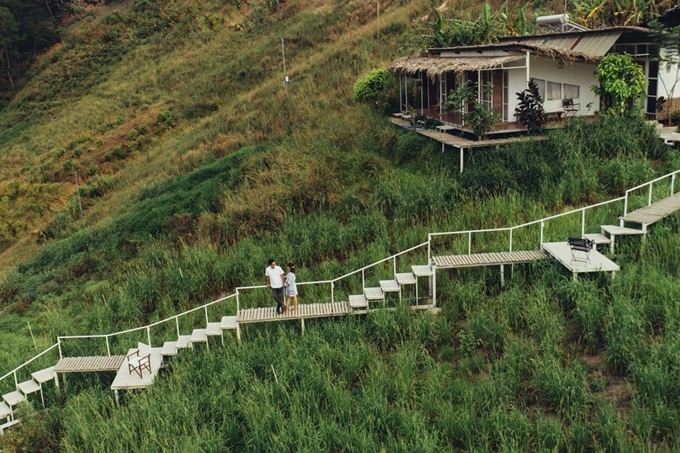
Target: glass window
<point>554,91</point>
<point>571,91</point>
<point>541,87</point>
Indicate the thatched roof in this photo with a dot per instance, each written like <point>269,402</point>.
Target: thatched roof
<point>439,65</point>
<point>436,65</point>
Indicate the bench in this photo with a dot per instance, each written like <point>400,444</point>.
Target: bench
<point>580,249</point>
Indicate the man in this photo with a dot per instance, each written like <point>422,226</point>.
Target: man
<point>275,279</point>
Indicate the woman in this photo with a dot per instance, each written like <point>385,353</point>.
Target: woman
<point>291,288</point>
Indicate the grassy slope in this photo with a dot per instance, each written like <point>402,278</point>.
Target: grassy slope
<point>328,184</point>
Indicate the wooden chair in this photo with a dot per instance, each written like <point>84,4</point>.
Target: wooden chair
<point>138,363</point>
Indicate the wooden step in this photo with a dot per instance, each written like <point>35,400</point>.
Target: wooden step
<point>358,301</point>
<point>4,426</point>
<point>5,410</point>
<point>169,348</point>
<point>406,279</point>
<point>214,329</point>
<point>28,387</point>
<point>13,398</point>
<point>619,230</point>
<point>45,375</point>
<point>199,336</point>
<point>229,323</point>
<point>598,238</point>
<point>422,271</point>
<point>389,286</point>
<point>373,294</point>
<point>183,342</point>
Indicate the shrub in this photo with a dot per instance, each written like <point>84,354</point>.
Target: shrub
<point>371,87</point>
<point>530,109</point>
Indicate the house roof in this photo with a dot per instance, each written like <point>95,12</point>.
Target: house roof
<point>589,45</point>
<point>437,66</point>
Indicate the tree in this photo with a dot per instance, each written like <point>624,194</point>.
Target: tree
<point>620,81</point>
<point>530,110</point>
<point>480,117</point>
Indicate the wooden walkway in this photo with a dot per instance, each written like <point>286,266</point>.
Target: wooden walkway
<point>654,212</point>
<point>87,364</point>
<point>463,143</point>
<point>304,311</point>
<point>488,259</point>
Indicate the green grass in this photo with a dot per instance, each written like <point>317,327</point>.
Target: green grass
<point>196,168</point>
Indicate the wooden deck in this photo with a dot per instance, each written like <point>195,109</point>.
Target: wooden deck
<point>488,259</point>
<point>304,311</point>
<point>464,143</point>
<point>89,364</point>
<point>597,262</point>
<point>654,212</point>
<point>126,380</point>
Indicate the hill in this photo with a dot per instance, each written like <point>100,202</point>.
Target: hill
<point>195,165</point>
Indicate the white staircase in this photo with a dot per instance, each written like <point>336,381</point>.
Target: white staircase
<point>359,303</point>
<point>23,389</point>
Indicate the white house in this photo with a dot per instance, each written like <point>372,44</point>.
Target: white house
<point>561,63</point>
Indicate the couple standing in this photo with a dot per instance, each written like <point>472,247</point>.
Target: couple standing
<point>277,280</point>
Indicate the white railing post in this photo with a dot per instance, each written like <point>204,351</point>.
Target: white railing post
<point>332,292</point>
<point>206,316</point>
<point>542,226</point>
<point>148,335</point>
<point>583,223</point>
<point>429,249</point>
<point>177,324</point>
<point>363,280</point>
<point>649,201</point>
<point>672,184</point>
<point>510,240</point>
<point>61,356</point>
<point>395,265</point>
<point>108,348</point>
<point>625,204</point>
<point>16,381</point>
<point>238,301</point>
<point>469,242</point>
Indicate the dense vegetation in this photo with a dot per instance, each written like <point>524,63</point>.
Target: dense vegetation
<point>195,167</point>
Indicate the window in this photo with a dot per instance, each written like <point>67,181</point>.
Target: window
<point>541,87</point>
<point>554,91</point>
<point>571,91</point>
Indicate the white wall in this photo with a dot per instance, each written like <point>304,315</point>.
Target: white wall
<point>573,73</point>
<point>668,78</point>
<point>517,82</point>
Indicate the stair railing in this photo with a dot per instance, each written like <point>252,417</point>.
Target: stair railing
<point>28,362</point>
<point>147,328</point>
<point>651,186</point>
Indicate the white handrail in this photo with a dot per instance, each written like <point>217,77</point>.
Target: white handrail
<point>13,372</point>
<point>363,269</point>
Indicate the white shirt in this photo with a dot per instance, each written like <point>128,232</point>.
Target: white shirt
<point>274,275</point>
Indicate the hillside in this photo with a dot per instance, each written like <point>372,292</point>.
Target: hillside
<point>195,166</point>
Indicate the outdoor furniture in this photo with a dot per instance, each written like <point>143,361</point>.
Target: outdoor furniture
<point>569,107</point>
<point>580,249</point>
<point>138,363</point>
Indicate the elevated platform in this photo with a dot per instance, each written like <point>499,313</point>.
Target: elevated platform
<point>89,364</point>
<point>597,262</point>
<point>304,311</point>
<point>126,380</point>
<point>654,212</point>
<point>488,259</point>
